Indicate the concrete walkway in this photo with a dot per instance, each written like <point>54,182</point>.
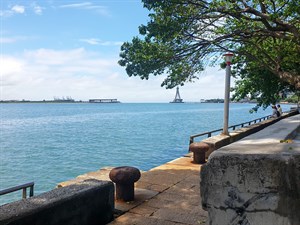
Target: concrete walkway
<point>166,195</point>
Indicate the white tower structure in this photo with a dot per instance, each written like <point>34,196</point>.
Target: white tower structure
<point>177,98</point>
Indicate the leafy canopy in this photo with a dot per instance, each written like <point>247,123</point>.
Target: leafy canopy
<point>184,36</point>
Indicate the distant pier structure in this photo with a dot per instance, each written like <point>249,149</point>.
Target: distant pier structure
<point>106,100</point>
<point>177,98</point>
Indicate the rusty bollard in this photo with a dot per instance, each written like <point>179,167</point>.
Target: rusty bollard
<point>199,149</point>
<point>124,177</point>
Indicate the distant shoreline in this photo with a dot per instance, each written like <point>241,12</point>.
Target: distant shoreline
<point>80,102</point>
<point>53,101</point>
<point>46,101</point>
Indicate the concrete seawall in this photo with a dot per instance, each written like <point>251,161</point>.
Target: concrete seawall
<point>86,203</point>
<point>255,180</point>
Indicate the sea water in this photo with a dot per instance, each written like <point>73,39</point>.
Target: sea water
<point>51,143</point>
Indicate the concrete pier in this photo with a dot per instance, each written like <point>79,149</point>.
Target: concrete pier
<point>169,194</point>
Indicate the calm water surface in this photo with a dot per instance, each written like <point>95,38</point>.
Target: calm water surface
<point>51,143</point>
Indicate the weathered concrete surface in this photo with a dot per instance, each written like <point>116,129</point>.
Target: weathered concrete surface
<point>165,195</point>
<point>255,180</point>
<point>218,141</point>
<point>101,174</point>
<point>177,198</point>
<point>87,203</point>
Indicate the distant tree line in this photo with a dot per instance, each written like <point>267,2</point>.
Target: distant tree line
<point>217,100</point>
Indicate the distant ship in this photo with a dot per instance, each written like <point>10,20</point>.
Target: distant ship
<point>177,98</point>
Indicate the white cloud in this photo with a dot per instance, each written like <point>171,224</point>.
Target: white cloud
<point>5,40</point>
<point>77,5</point>
<point>51,57</point>
<point>111,43</point>
<point>10,68</point>
<point>95,41</point>
<point>37,9</point>
<point>10,40</point>
<point>81,74</point>
<point>88,6</point>
<point>5,13</point>
<point>18,9</point>
<point>91,41</point>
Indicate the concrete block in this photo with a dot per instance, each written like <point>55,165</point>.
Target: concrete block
<point>240,186</point>
<point>87,203</point>
<point>255,180</point>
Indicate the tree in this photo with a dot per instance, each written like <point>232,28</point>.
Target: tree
<point>254,81</point>
<point>258,84</point>
<point>184,36</point>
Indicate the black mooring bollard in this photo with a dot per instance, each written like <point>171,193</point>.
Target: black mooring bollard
<point>199,149</point>
<point>125,177</point>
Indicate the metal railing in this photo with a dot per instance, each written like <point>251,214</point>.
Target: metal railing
<point>233,127</point>
<point>22,187</point>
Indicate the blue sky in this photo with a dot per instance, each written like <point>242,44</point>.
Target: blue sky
<point>60,48</point>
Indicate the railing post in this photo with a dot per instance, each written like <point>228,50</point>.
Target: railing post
<point>24,194</point>
<point>31,191</point>
<point>191,140</point>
